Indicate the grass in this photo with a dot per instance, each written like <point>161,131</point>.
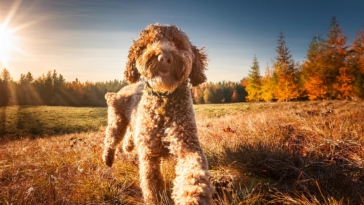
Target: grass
<point>25,121</point>
<point>259,153</point>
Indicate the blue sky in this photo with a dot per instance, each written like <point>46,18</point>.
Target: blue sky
<point>89,39</point>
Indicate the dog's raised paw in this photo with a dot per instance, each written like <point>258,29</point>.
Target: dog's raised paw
<point>108,157</point>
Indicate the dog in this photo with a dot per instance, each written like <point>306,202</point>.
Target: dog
<point>154,115</point>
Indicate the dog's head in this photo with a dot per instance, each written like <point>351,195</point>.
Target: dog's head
<point>164,56</point>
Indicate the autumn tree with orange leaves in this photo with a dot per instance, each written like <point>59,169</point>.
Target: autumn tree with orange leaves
<point>344,84</point>
<point>336,57</point>
<point>313,70</point>
<point>285,74</point>
<point>267,88</point>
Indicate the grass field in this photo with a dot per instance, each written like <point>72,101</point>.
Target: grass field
<point>259,153</point>
<point>22,121</point>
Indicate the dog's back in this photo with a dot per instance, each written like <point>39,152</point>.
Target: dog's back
<point>126,100</point>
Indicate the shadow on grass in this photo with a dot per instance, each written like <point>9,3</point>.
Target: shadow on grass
<point>2,121</point>
<point>332,172</point>
<point>17,122</point>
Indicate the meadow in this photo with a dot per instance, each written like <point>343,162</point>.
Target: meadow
<point>258,153</point>
<point>35,121</point>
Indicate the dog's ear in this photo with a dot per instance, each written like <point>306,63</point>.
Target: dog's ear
<point>197,75</point>
<point>131,73</point>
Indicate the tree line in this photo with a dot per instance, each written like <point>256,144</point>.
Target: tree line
<point>332,70</point>
<point>52,89</point>
<point>221,92</point>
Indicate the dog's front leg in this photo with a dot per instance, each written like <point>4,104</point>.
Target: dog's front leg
<point>192,183</point>
<point>151,179</point>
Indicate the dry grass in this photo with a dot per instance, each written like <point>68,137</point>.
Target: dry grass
<point>64,170</point>
<point>296,153</point>
<point>265,153</point>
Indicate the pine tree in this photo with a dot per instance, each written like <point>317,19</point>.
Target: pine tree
<point>316,89</point>
<point>29,77</point>
<point>336,56</point>
<point>344,84</point>
<point>48,88</point>
<point>5,75</point>
<point>286,89</point>
<point>313,70</point>
<point>58,88</point>
<point>4,87</point>
<point>254,82</point>
<point>357,63</point>
<point>267,88</point>
<point>285,73</point>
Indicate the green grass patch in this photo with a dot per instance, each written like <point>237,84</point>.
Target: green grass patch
<point>34,121</point>
<point>20,121</point>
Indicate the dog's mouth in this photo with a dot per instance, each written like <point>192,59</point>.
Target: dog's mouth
<point>163,72</point>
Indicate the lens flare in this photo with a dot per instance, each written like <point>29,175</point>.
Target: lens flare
<point>7,43</point>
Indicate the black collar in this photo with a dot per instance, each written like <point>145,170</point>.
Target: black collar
<point>152,92</point>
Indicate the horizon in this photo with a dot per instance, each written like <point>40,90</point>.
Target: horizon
<point>89,40</point>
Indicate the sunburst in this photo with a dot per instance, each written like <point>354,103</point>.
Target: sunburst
<point>7,43</point>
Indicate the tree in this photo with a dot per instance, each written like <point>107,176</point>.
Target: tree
<point>208,95</point>
<point>316,89</point>
<point>313,69</point>
<point>285,73</point>
<point>58,88</point>
<point>29,77</point>
<point>253,86</point>
<point>5,75</point>
<point>267,88</point>
<point>235,96</point>
<point>336,56</point>
<point>357,63</point>
<point>4,87</point>
<point>286,89</point>
<point>344,84</point>
<point>27,94</point>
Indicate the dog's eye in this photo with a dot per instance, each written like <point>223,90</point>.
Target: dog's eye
<point>141,49</point>
<point>179,44</point>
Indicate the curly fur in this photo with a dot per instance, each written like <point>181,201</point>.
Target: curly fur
<point>155,116</point>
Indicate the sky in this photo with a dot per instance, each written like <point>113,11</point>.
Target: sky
<point>90,39</point>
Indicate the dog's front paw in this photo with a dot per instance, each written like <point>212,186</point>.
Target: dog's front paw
<point>108,156</point>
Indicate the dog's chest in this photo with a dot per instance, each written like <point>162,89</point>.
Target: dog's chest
<point>157,114</point>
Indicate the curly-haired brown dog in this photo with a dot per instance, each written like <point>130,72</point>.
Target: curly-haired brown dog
<point>155,114</point>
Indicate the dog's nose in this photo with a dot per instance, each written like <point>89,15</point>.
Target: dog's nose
<point>165,58</point>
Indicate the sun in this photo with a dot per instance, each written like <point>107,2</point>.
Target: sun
<point>7,43</point>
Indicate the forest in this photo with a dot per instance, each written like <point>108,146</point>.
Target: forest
<point>332,69</point>
<point>53,89</point>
